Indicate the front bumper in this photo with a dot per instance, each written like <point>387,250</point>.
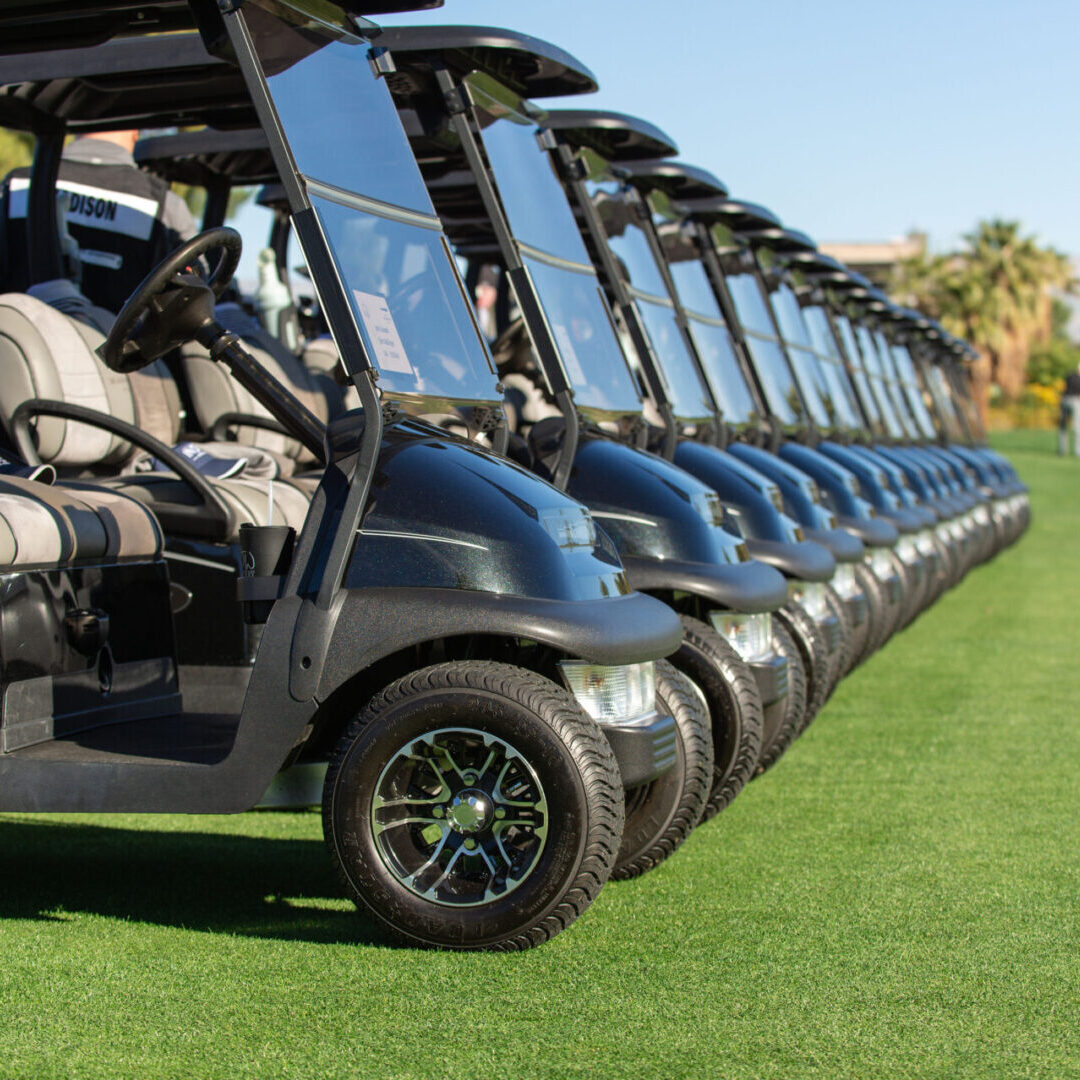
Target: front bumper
<point>644,749</point>
<point>857,608</point>
<point>771,676</point>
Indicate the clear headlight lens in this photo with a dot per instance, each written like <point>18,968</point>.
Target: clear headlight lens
<point>881,563</point>
<point>811,594</point>
<point>750,635</point>
<point>844,582</point>
<point>924,541</point>
<point>908,550</point>
<point>956,530</point>
<point>981,514</point>
<point>709,507</point>
<point>571,527</point>
<point>612,695</point>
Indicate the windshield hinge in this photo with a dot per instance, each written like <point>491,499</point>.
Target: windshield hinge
<point>457,100</point>
<point>382,63</point>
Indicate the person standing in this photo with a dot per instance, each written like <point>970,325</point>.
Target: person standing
<point>124,220</point>
<point>1070,415</point>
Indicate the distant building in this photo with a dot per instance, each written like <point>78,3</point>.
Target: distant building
<point>876,258</point>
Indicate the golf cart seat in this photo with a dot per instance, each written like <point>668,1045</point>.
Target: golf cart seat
<point>46,354</point>
<point>69,525</point>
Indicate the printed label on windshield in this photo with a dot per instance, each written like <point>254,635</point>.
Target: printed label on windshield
<point>379,323</point>
<point>569,355</point>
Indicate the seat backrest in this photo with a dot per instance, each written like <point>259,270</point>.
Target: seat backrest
<point>45,353</point>
<point>215,393</point>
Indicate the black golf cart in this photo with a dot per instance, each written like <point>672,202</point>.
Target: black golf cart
<point>414,627</point>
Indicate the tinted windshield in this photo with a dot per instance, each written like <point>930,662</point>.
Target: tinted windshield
<point>909,381</point>
<point>815,387</point>
<point>872,366</point>
<point>892,383</point>
<point>551,248</point>
<point>942,394</point>
<point>858,375</point>
<point>365,188</point>
<point>708,330</point>
<point>645,283</point>
<point>832,366</point>
<point>768,357</point>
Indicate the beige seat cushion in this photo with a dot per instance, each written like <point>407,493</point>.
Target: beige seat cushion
<point>71,523</point>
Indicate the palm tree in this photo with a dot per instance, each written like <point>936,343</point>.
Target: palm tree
<point>996,292</point>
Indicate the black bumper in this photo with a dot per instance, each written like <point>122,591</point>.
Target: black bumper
<point>643,751</point>
<point>857,608</point>
<point>830,630</point>
<point>771,676</point>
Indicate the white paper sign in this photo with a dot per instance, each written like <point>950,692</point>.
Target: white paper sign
<point>379,323</point>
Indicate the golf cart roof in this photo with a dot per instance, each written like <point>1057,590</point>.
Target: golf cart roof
<point>780,239</point>
<point>676,179</point>
<point>62,24</point>
<point>526,65</point>
<point>816,263</point>
<point>128,83</point>
<point>614,136</point>
<point>737,214</point>
<point>202,158</point>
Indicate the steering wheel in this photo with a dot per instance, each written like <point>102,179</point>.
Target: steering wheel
<point>172,303</point>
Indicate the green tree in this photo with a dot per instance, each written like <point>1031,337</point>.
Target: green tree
<point>996,292</point>
<point>16,150</point>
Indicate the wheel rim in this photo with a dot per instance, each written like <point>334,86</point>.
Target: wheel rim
<point>459,817</point>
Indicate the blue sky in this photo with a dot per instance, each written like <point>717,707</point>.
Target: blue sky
<point>852,121</point>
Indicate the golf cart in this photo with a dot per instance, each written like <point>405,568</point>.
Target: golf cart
<point>451,635</point>
<point>576,409</point>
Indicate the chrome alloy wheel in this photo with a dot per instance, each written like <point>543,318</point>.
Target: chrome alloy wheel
<point>459,817</point>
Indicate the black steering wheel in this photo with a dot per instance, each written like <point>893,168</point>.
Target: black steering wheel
<point>173,302</point>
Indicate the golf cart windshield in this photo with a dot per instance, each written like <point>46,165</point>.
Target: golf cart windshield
<point>707,327</point>
<point>872,367</point>
<point>831,366</point>
<point>943,398</point>
<point>646,287</point>
<point>342,151</point>
<point>768,355</point>
<point>892,386</point>
<point>816,389</point>
<point>909,383</point>
<point>553,253</point>
<point>858,376</point>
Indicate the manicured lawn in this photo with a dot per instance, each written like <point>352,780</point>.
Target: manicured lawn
<point>900,897</point>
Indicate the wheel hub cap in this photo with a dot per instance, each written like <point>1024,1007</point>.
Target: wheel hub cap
<point>470,811</point>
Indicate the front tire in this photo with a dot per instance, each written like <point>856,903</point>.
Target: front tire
<point>473,805</point>
<point>661,814</point>
<point>794,704</point>
<point>815,656</point>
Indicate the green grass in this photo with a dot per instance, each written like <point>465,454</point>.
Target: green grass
<point>900,897</point>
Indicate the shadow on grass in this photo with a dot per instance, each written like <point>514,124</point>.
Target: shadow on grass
<point>255,887</point>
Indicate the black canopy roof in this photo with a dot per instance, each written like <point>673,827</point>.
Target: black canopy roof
<point>206,157</point>
<point>780,239</point>
<point>27,25</point>
<point>817,263</point>
<point>526,65</point>
<point>737,214</point>
<point>126,83</point>
<point>614,136</point>
<point>675,178</point>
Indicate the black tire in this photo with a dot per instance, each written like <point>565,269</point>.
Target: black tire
<point>815,656</point>
<point>794,703</point>
<point>727,684</point>
<point>475,707</point>
<point>660,815</point>
<point>877,614</point>
<point>840,660</point>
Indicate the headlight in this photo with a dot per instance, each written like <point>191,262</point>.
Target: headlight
<point>956,530</point>
<point>709,507</point>
<point>750,635</point>
<point>908,551</point>
<point>844,582</point>
<point>924,541</point>
<point>811,594</point>
<point>880,560</point>
<point>612,695</point>
<point>775,497</point>
<point>981,514</point>
<point>571,527</point>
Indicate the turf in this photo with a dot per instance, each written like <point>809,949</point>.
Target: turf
<point>899,897</point>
